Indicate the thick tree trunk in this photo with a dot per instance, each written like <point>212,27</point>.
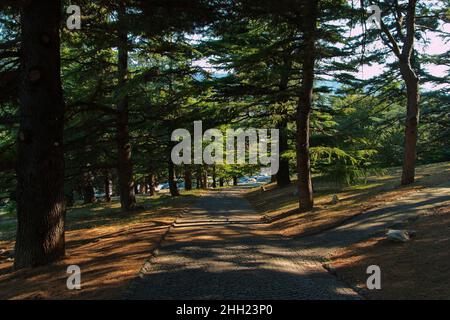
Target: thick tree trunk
<point>404,54</point>
<point>187,179</point>
<point>411,124</point>
<point>172,180</point>
<point>125,166</point>
<point>40,165</point>
<point>283,177</point>
<point>306,201</point>
<point>152,184</point>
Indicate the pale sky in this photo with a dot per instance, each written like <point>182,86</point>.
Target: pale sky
<point>436,46</point>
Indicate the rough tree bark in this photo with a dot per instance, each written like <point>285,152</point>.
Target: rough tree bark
<point>405,55</point>
<point>412,120</point>
<point>306,200</point>
<point>152,184</point>
<point>125,166</point>
<point>40,165</point>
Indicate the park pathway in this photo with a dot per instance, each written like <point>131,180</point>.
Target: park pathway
<point>220,250</point>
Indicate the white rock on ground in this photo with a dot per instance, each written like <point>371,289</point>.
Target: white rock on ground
<point>398,235</point>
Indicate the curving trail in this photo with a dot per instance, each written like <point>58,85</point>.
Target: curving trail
<point>220,250</point>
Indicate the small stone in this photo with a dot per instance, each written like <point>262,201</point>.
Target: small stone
<point>398,235</point>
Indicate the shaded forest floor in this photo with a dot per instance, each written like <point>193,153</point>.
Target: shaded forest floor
<point>109,246</point>
<point>279,205</point>
<point>418,269</point>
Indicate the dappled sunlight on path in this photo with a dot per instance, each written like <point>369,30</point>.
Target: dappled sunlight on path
<point>222,250</point>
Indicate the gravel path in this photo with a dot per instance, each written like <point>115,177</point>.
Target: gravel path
<point>220,251</point>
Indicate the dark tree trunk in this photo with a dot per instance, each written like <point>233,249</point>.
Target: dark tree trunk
<point>125,166</point>
<point>411,123</point>
<point>172,180</point>
<point>405,57</point>
<point>198,178</point>
<point>204,179</point>
<point>89,194</point>
<point>142,187</point>
<point>235,181</point>
<point>306,201</point>
<point>412,87</point>
<point>187,179</point>
<point>115,184</point>
<point>107,186</point>
<point>221,182</point>
<point>88,189</point>
<point>40,165</point>
<point>152,184</point>
<point>145,187</point>
<point>214,183</point>
<point>283,177</point>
